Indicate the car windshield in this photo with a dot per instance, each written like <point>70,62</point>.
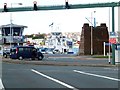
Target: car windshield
<point>42,49</point>
<point>50,49</point>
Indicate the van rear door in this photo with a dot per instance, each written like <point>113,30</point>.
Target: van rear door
<point>25,52</point>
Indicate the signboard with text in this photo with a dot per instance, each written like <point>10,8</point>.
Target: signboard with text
<point>113,35</point>
<point>117,46</point>
<point>113,38</point>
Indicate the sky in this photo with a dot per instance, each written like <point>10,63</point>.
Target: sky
<point>64,20</point>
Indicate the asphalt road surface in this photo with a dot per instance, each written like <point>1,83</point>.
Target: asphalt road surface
<point>25,76</point>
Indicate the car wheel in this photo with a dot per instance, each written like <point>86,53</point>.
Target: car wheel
<point>40,58</point>
<point>20,58</point>
<point>5,56</point>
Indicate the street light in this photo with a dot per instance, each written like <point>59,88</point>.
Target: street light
<point>109,36</point>
<point>92,29</point>
<point>11,34</point>
<point>91,35</point>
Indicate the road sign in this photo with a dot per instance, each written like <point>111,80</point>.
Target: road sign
<point>107,44</point>
<point>117,46</point>
<point>113,35</point>
<point>112,40</point>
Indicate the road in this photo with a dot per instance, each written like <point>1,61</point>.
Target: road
<point>32,77</point>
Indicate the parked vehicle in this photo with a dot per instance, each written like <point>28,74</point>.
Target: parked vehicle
<point>49,51</point>
<point>6,53</point>
<point>43,50</point>
<point>56,51</point>
<point>46,50</point>
<point>21,52</point>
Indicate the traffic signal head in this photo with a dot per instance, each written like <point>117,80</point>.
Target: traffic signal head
<point>67,4</point>
<point>35,6</point>
<point>5,7</point>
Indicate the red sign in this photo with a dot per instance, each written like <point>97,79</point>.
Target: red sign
<point>28,42</point>
<point>78,42</point>
<point>112,40</point>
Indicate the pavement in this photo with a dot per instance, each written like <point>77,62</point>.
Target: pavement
<point>66,61</point>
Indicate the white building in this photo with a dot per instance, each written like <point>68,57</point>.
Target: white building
<point>12,35</point>
<point>57,41</point>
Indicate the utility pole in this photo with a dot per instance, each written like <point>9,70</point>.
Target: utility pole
<point>92,29</point>
<point>113,45</point>
<point>118,25</point>
<point>11,28</point>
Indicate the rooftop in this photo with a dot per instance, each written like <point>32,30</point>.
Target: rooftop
<point>12,25</point>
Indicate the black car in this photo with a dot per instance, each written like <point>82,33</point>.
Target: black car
<point>56,51</point>
<point>6,53</point>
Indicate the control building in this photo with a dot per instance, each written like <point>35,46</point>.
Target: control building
<point>12,35</point>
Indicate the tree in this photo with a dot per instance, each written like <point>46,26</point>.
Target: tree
<point>36,36</point>
<point>39,36</point>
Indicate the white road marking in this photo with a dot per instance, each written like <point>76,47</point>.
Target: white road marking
<point>55,80</point>
<point>81,72</point>
<point>1,85</point>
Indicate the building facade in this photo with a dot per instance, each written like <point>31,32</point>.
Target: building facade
<point>12,35</point>
<point>99,36</point>
<point>57,41</point>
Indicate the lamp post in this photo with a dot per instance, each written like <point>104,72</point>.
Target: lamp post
<point>92,29</point>
<point>109,36</point>
<point>11,31</point>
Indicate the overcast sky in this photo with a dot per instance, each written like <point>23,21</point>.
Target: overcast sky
<point>64,20</point>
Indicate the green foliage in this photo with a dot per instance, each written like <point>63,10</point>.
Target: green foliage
<point>29,36</point>
<point>36,36</point>
<point>41,36</point>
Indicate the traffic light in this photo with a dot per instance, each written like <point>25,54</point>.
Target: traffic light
<point>35,6</point>
<point>67,4</point>
<point>5,7</point>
